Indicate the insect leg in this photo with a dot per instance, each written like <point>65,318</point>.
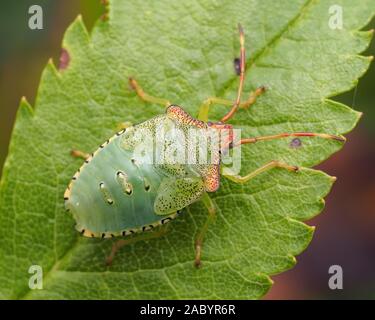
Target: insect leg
<point>204,108</point>
<point>273,164</point>
<point>79,154</point>
<point>144,96</point>
<point>144,236</point>
<point>199,239</point>
<point>266,167</point>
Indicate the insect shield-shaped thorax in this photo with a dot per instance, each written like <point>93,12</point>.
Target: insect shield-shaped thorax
<point>144,175</point>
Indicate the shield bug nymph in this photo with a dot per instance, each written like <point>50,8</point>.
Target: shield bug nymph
<point>117,193</point>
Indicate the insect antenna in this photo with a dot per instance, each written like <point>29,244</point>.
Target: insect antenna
<point>236,105</point>
<point>289,134</point>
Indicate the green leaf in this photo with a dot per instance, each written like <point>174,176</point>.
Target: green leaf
<point>182,51</point>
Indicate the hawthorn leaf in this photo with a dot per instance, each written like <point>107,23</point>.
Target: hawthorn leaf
<point>182,51</point>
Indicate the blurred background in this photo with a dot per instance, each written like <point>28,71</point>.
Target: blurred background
<point>345,230</point>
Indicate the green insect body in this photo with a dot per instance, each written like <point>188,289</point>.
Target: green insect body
<point>121,189</point>
<point>116,192</point>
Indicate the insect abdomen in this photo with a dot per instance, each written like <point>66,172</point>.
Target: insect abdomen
<point>112,194</point>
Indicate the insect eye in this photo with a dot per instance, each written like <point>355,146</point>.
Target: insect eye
<point>209,123</point>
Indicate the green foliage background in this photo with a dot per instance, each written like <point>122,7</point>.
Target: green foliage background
<point>182,51</point>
